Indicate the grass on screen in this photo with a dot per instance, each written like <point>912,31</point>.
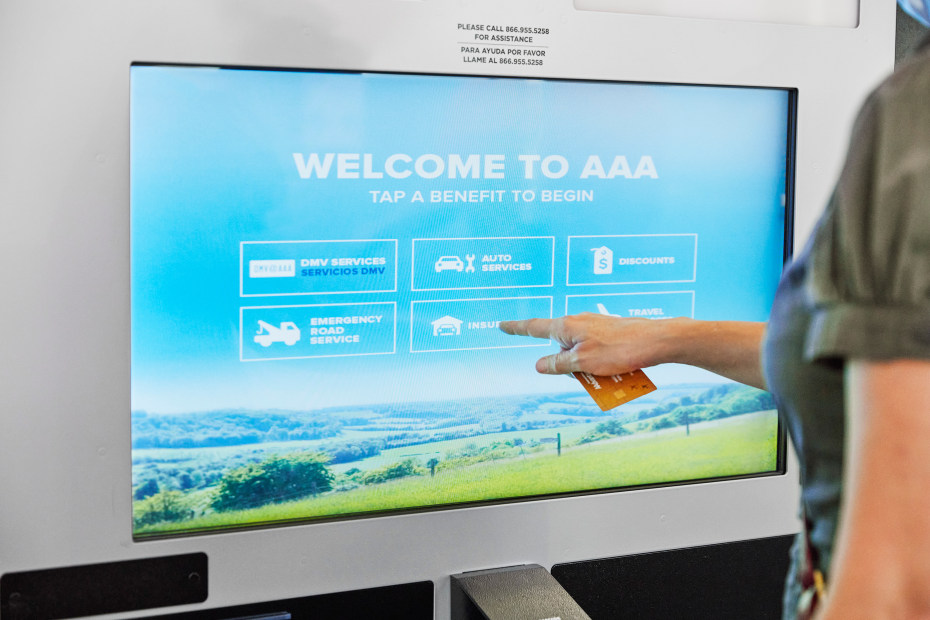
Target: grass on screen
<point>735,446</point>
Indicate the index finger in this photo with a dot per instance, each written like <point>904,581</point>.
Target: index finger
<point>537,328</point>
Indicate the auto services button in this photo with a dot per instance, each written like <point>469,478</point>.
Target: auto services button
<point>482,263</point>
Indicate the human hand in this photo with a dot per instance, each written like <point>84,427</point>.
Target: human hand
<point>596,343</point>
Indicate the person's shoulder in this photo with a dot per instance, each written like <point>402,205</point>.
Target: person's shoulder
<point>896,113</point>
<point>910,81</point>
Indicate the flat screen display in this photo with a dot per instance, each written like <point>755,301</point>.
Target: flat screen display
<point>319,262</point>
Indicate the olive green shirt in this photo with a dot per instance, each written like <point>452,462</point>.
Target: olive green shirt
<point>860,289</point>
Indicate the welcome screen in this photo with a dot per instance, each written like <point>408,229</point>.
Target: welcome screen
<point>320,260</point>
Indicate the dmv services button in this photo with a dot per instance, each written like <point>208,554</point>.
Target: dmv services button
<point>482,262</point>
<point>324,330</point>
<point>465,324</point>
<point>317,267</point>
<point>632,259</point>
<point>660,305</point>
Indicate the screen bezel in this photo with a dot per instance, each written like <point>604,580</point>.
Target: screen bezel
<point>781,450</point>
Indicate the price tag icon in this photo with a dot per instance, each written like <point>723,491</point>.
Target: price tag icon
<point>603,260</point>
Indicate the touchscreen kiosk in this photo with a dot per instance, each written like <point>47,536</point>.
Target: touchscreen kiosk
<point>320,261</point>
<point>254,256</point>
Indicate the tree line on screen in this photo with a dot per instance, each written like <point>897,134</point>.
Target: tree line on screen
<point>723,401</point>
<point>176,494</point>
<point>395,425</point>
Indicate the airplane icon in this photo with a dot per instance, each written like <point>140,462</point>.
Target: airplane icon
<point>602,309</point>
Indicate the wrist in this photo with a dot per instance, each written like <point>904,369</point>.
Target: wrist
<point>675,340</point>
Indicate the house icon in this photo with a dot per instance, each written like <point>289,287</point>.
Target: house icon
<point>447,326</point>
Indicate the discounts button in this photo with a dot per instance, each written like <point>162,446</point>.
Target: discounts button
<point>632,259</point>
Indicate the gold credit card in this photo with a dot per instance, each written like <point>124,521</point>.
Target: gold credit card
<point>613,390</point>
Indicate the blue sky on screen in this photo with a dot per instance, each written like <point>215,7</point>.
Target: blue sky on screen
<point>218,160</point>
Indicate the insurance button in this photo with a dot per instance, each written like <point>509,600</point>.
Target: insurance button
<point>463,324</point>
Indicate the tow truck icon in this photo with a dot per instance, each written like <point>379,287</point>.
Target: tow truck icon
<point>287,332</point>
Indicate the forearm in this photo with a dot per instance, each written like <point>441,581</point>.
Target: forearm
<point>608,345</point>
<point>728,348</point>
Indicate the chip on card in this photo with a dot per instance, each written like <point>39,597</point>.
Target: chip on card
<point>613,390</point>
